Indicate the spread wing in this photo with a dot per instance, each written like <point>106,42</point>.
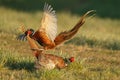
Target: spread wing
<point>49,22</point>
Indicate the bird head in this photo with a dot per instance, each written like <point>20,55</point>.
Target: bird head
<point>29,32</point>
<point>69,60</point>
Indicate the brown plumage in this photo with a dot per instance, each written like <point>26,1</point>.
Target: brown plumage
<point>46,61</point>
<point>46,34</point>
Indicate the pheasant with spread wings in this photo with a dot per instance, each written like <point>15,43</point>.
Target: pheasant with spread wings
<point>46,34</point>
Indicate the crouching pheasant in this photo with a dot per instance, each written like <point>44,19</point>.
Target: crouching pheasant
<point>47,61</point>
<point>50,61</point>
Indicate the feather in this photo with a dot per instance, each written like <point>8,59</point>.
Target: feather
<point>66,35</point>
<point>49,22</point>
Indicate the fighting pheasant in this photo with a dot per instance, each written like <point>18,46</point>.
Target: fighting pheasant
<point>47,61</point>
<point>46,34</point>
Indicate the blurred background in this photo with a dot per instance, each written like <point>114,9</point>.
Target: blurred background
<point>104,8</point>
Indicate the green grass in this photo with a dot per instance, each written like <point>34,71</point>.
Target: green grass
<point>92,67</point>
<point>96,48</point>
<point>88,65</point>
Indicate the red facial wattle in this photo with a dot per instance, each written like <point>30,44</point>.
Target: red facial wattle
<point>72,59</point>
<point>29,32</point>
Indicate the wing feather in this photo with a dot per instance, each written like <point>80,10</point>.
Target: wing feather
<point>49,22</point>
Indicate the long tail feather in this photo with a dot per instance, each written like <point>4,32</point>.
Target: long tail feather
<point>63,36</point>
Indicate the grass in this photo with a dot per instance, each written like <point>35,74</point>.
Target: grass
<point>88,65</point>
<point>96,48</point>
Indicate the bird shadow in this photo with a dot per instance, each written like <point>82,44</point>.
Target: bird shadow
<point>22,65</point>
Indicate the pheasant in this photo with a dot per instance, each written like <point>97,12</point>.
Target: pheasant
<point>46,34</point>
<point>47,61</point>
